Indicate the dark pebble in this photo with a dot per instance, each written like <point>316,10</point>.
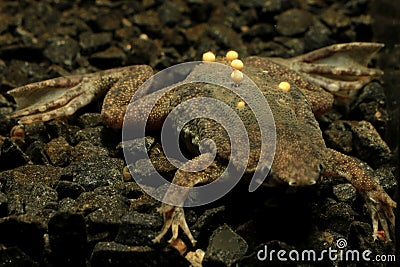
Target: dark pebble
<point>359,139</point>
<point>276,6</point>
<point>109,216</point>
<point>345,193</point>
<point>317,36</point>
<point>387,179</point>
<point>207,222</point>
<point>92,172</point>
<point>138,228</point>
<point>109,21</point>
<point>18,73</point>
<point>170,13</point>
<point>25,232</point>
<point>225,246</point>
<point>295,45</point>
<point>226,38</point>
<point>339,217</point>
<point>15,257</point>
<point>200,10</point>
<point>86,149</point>
<point>293,22</point>
<point>36,153</point>
<point>93,42</point>
<point>68,189</point>
<point>37,199</point>
<point>263,30</point>
<point>93,135</point>
<point>68,240</point>
<point>142,51</point>
<point>149,22</point>
<point>62,50</point>
<point>89,120</point>
<point>11,156</point>
<point>109,58</point>
<point>109,254</point>
<point>59,151</point>
<point>59,128</point>
<point>371,106</point>
<point>368,145</point>
<point>335,18</point>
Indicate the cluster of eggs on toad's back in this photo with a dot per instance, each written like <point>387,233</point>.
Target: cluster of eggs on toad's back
<point>232,58</point>
<point>237,76</point>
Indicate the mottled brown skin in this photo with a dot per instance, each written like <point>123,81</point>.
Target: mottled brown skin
<point>301,156</point>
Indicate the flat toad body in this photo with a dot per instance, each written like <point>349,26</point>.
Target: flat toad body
<point>301,156</point>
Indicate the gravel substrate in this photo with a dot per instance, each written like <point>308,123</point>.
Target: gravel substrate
<point>64,199</point>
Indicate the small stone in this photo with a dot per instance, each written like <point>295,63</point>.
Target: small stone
<point>169,13</point>
<point>368,145</point>
<point>68,239</point>
<point>93,135</point>
<point>109,58</point>
<point>93,172</point>
<point>294,21</point>
<point>123,255</point>
<point>67,189</point>
<point>317,36</point>
<point>335,18</point>
<point>345,193</point>
<point>86,149</point>
<point>148,22</point>
<point>339,137</point>
<point>93,42</point>
<point>226,38</point>
<point>59,151</point>
<point>260,30</point>
<point>276,6</point>
<point>142,52</point>
<point>57,128</point>
<point>138,228</point>
<point>62,50</point>
<point>11,156</point>
<point>339,217</point>
<point>16,256</point>
<point>25,232</point>
<point>225,246</point>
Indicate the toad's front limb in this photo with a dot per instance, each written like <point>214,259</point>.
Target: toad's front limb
<point>174,216</point>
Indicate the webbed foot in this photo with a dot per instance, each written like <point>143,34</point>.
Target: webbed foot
<point>381,206</point>
<point>338,67</point>
<point>174,217</point>
<point>63,96</point>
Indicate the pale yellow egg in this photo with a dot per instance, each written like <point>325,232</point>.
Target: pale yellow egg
<point>284,86</point>
<point>241,104</point>
<point>237,76</point>
<point>237,64</point>
<point>232,55</point>
<point>209,56</point>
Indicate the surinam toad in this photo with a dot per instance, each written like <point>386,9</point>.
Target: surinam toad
<point>301,156</point>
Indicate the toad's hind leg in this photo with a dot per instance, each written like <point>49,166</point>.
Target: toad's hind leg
<point>378,202</point>
<point>174,216</point>
<point>338,67</point>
